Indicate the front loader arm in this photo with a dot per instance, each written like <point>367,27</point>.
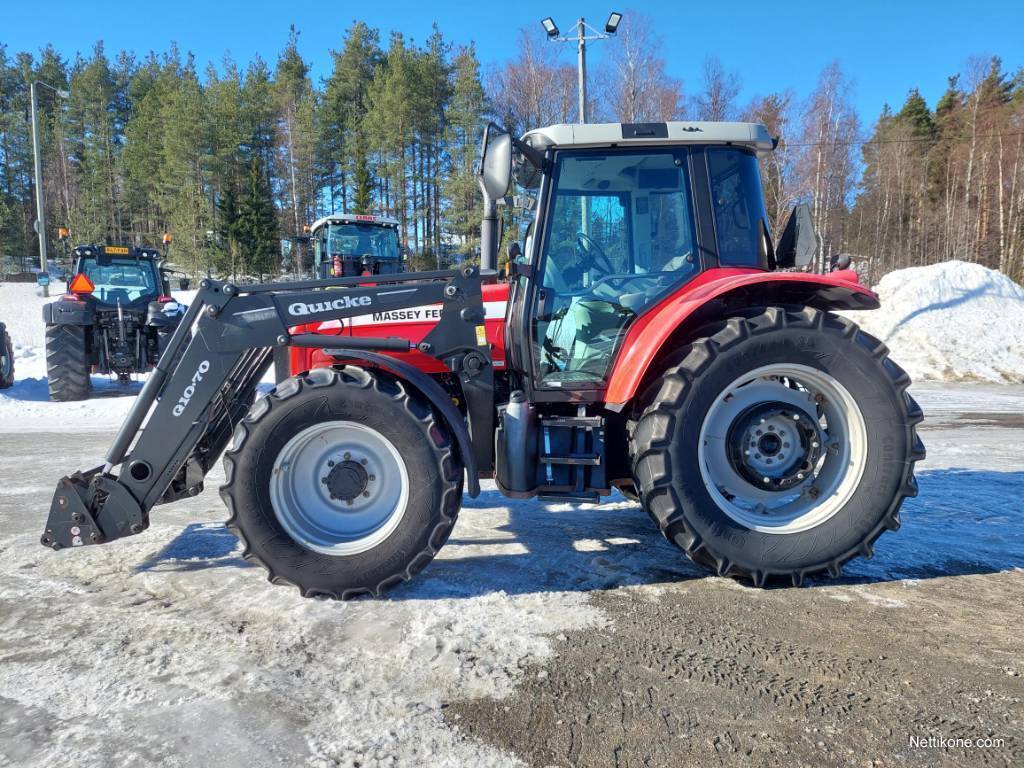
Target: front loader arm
<point>206,381</point>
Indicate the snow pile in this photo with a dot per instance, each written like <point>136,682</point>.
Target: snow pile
<point>951,322</point>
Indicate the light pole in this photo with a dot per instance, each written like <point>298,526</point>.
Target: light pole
<point>581,38</point>
<point>38,159</point>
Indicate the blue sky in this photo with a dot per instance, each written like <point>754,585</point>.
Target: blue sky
<point>886,47</point>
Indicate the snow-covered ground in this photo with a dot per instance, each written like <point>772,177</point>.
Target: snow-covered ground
<point>167,648</point>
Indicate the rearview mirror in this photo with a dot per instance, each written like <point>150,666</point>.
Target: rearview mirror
<point>184,283</point>
<point>799,242</point>
<point>495,171</point>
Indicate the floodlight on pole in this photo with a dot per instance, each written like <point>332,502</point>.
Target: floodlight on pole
<point>580,38</point>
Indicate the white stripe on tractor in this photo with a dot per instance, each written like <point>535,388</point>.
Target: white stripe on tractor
<point>430,313</point>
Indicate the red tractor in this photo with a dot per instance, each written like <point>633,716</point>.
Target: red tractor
<point>649,339</point>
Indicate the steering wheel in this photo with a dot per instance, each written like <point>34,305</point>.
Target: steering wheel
<point>598,258</point>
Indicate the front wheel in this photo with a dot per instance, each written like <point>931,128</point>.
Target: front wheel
<point>6,358</point>
<point>342,482</point>
<point>782,445</point>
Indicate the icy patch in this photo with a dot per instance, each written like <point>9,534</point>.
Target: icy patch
<point>953,321</point>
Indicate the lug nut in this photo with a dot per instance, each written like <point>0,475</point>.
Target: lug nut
<point>330,462</point>
<point>766,479</point>
<point>366,494</point>
<point>373,477</point>
<point>347,455</point>
<point>363,462</point>
<point>349,502</point>
<point>323,480</point>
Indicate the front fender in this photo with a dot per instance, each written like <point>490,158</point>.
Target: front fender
<point>711,295</point>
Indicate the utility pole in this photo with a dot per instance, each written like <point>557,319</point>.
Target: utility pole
<point>581,67</point>
<point>38,162</point>
<point>581,38</point>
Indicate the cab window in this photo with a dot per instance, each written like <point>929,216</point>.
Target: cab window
<point>741,223</point>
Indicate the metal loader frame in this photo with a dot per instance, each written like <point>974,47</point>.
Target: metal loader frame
<point>203,386</point>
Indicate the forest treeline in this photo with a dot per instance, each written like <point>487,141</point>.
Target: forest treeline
<point>234,159</point>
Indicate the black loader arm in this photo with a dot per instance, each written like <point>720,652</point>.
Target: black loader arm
<point>203,386</point>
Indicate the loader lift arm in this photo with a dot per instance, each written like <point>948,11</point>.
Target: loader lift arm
<point>204,384</point>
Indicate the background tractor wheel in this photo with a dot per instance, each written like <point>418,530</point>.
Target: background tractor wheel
<point>342,482</point>
<point>6,358</point>
<point>781,446</point>
<point>66,364</point>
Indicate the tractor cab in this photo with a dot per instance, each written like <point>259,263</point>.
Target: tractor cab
<point>625,216</point>
<point>117,275</point>
<point>347,245</point>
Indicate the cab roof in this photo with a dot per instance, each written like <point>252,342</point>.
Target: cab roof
<point>564,135</point>
<point>353,218</point>
<point>130,251</point>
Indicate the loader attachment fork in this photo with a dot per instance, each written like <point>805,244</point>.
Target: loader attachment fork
<point>206,381</point>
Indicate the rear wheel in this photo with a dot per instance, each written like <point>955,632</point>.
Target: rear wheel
<point>6,358</point>
<point>67,365</point>
<point>782,445</point>
<point>342,482</point>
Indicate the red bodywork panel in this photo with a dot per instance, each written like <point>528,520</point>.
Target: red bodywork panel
<point>412,324</point>
<point>647,336</point>
<point>644,339</point>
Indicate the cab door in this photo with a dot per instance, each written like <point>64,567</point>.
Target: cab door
<point>617,233</point>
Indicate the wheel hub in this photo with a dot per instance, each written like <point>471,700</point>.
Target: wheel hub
<point>339,487</point>
<point>774,445</point>
<point>782,448</point>
<point>346,480</point>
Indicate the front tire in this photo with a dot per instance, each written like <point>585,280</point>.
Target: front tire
<point>67,365</point>
<point>342,482</point>
<point>782,446</point>
<point>6,358</point>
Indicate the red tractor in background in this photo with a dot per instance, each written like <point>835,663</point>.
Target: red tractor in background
<point>648,338</point>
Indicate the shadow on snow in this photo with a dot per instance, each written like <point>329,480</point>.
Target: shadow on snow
<point>964,522</point>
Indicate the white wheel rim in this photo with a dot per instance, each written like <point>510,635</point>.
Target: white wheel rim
<point>824,474</point>
<point>360,467</point>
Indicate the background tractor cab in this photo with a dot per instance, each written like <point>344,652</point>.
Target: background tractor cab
<point>346,245</point>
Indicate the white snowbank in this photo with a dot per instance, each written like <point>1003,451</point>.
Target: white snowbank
<point>951,322</point>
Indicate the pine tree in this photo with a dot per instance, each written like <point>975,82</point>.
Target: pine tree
<point>464,115</point>
<point>343,149</point>
<point>255,227</point>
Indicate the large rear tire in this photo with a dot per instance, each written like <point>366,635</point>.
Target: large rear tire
<point>67,365</point>
<point>6,358</point>
<point>342,482</point>
<point>782,445</point>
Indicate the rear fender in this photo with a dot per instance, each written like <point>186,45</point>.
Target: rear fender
<point>716,294</point>
<point>68,313</point>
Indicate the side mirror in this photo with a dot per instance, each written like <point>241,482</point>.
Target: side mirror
<point>495,171</point>
<point>839,261</point>
<point>514,251</point>
<point>799,242</point>
<point>184,283</point>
